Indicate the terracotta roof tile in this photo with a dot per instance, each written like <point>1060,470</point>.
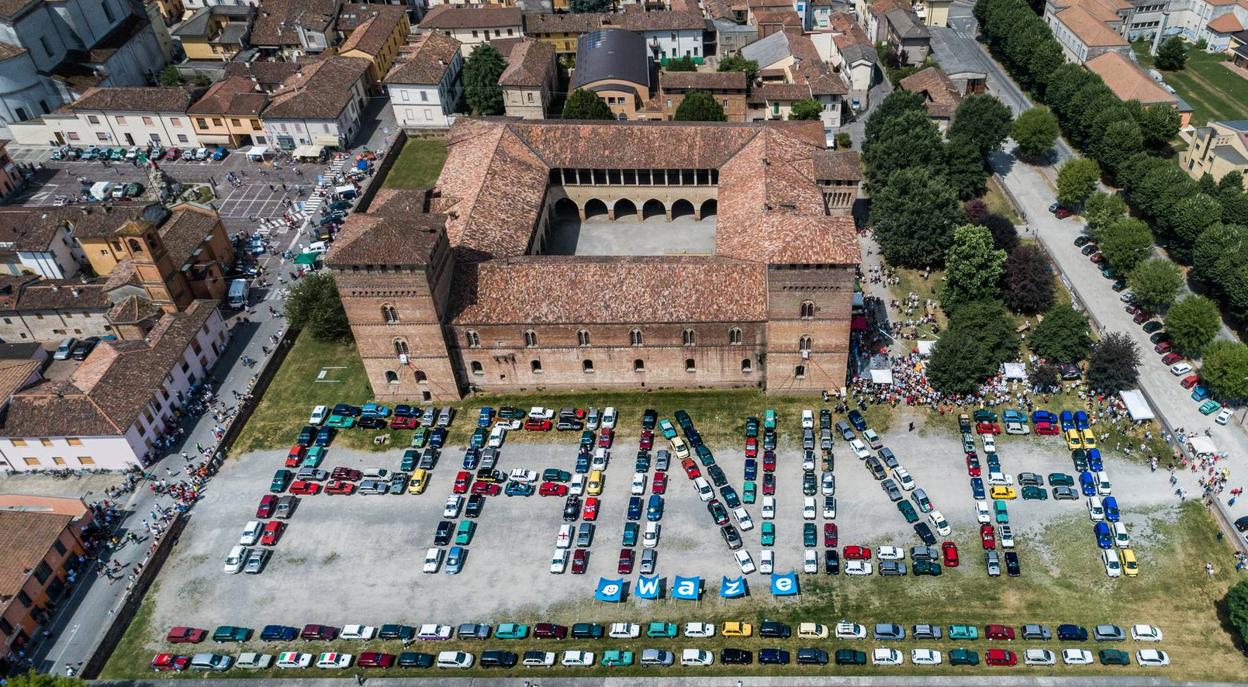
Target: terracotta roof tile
<point>529,63</point>
<point>133,310</point>
<point>370,35</point>
<point>14,375</point>
<point>149,99</point>
<point>232,95</point>
<point>1091,31</point>
<point>942,96</point>
<point>690,81</point>
<point>1227,23</point>
<point>427,62</point>
<point>658,20</point>
<point>48,294</point>
<point>396,230</point>
<point>843,165</point>
<point>448,17</point>
<point>1127,80</point>
<point>322,92</point>
<point>25,539</point>
<point>276,20</point>
<point>185,231</point>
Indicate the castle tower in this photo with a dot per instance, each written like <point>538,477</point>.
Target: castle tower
<point>165,284</point>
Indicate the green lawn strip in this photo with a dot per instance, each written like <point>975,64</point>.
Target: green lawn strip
<point>1062,582</point>
<point>131,657</point>
<point>418,165</point>
<point>1211,89</point>
<point>998,203</point>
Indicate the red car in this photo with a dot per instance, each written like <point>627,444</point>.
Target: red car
<point>590,511</point>
<point>647,440</point>
<point>187,635</point>
<point>346,473</point>
<point>1098,258</point>
<point>580,561</point>
<point>691,468</point>
<point>751,447</point>
<point>1003,633</point>
<point>659,486</point>
<point>769,461</point>
<point>988,536</point>
<point>535,425</point>
<point>399,423</point>
<point>486,489</point>
<point>1170,358</point>
<point>1046,428</point>
<point>552,489</point>
<point>857,553</point>
<point>988,428</point>
<point>338,486</point>
<point>972,465</point>
<point>272,532</point>
<point>295,456</point>
<point>318,632</point>
<point>1163,347</point>
<point>1060,211</point>
<point>375,659</point>
<point>950,551</point>
<point>1190,381</point>
<point>1000,657</point>
<point>267,503</point>
<point>605,437</point>
<point>829,535</point>
<point>462,479</point>
<point>170,662</point>
<point>305,487</point>
<point>1142,316</point>
<point>625,566</point>
<point>769,484</point>
<point>549,631</point>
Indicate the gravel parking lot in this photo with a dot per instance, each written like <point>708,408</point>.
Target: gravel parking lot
<point>368,549</point>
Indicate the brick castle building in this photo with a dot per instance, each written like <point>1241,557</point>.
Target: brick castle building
<point>449,291</point>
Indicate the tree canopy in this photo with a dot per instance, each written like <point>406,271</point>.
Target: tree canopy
<point>1063,336</point>
<point>681,64</point>
<point>1114,363</point>
<point>1029,287</point>
<point>1101,210</point>
<point>982,121</point>
<point>587,6</point>
<point>807,109</point>
<point>1155,283</point>
<point>583,104</point>
<point>913,217</point>
<point>314,306</point>
<point>1035,131</point>
<point>699,106</point>
<point>1076,180</point>
<point>979,338</point>
<point>1172,54</point>
<point>481,71</point>
<point>1237,608</point>
<point>1225,370</point>
<point>973,268</point>
<point>1126,243</point>
<point>737,63</point>
<point>1192,323</point>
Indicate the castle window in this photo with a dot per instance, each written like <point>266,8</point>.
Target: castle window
<point>639,365</point>
<point>473,340</point>
<point>747,365</point>
<point>803,344</point>
<point>800,372</point>
<point>689,338</point>
<point>535,366</point>
<point>587,365</point>
<point>689,365</point>
<point>476,368</point>
<point>400,347</point>
<point>634,337</point>
<point>389,314</point>
<point>421,376</point>
<point>582,338</point>
<point>392,377</point>
<point>734,335</point>
<point>808,310</point>
<point>135,246</point>
<point>530,338</point>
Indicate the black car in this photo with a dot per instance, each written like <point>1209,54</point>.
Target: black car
<point>731,537</point>
<point>1151,326</point>
<point>851,657</point>
<point>643,462</point>
<point>1072,633</point>
<point>810,484</point>
<point>857,420</point>
<point>1011,564</point>
<point>347,410</point>
<point>717,511</point>
<point>497,659</point>
<point>415,659</point>
<point>582,463</point>
<point>572,508</point>
<point>695,439</point>
<point>306,435</point>
<point>831,562</point>
<point>877,470</point>
<point>1082,239</point>
<point>371,422</point>
<point>778,657</point>
<point>649,418</point>
<point>442,536</point>
<point>473,508</point>
<point>394,631</point>
<point>809,656</point>
<point>586,631</point>
<point>716,473</point>
<point>925,534</point>
<point>683,419</point>
<point>278,633</point>
<point>83,348</point>
<point>634,508</point>
<point>1242,524</point>
<point>772,629</point>
<point>739,657</point>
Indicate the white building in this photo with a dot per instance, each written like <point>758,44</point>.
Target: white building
<point>319,105</point>
<point>116,405</point>
<point>425,87</point>
<point>47,249</point>
<point>116,117</point>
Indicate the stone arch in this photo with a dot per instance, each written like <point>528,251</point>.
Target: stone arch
<point>683,207</point>
<point>624,209</point>
<point>710,208</point>
<point>653,208</point>
<point>392,377</point>
<point>565,208</point>
<point>595,207</point>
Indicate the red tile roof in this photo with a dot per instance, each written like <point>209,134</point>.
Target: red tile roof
<point>530,63</point>
<point>25,539</point>
<point>427,62</point>
<point>449,17</point>
<point>1227,23</point>
<point>1127,80</point>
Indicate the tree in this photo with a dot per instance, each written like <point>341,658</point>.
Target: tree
<point>965,170</point>
<point>681,64</point>
<point>1045,378</point>
<point>981,120</point>
<point>1035,131</point>
<point>1237,608</point>
<point>1114,363</point>
<point>1192,323</point>
<point>914,216</point>
<point>1120,140</point>
<point>843,141</point>
<point>314,305</point>
<point>807,109</point>
<point>201,81</point>
<point>1159,124</point>
<point>170,77</point>
<point>700,106</point>
<point>1192,215</point>
<point>973,268</point>
<point>1076,180</point>
<point>894,105</point>
<point>481,72</point>
<point>1126,243</point>
<point>1155,283</point>
<point>583,104</point>
<point>1219,252</point>
<point>1063,336</point>
<point>1004,234</point>
<point>587,6</point>
<point>1028,281</point>
<point>1172,55</point>
<point>1225,370</point>
<point>737,63</point>
<point>976,210</point>
<point>1101,210</point>
<point>979,338</point>
<point>33,679</point>
<point>907,140</point>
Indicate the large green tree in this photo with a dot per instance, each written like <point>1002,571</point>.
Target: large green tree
<point>965,170</point>
<point>1126,243</point>
<point>1192,216</point>
<point>700,106</point>
<point>913,218</point>
<point>973,268</point>
<point>1101,210</point>
<point>1237,608</point>
<point>1172,54</point>
<point>1114,364</point>
<point>981,120</point>
<point>1192,323</point>
<point>907,140</point>
<point>587,6</point>
<point>1117,143</point>
<point>893,105</point>
<point>1029,287</point>
<point>1225,370</point>
<point>1159,124</point>
<point>314,306</point>
<point>481,71</point>
<point>980,337</point>
<point>1076,180</point>
<point>1035,131</point>
<point>808,109</point>
<point>737,63</point>
<point>1063,336</point>
<point>583,104</point>
<point>1155,283</point>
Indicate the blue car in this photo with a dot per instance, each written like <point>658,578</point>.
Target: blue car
<point>1104,538</point>
<point>654,509</point>
<point>1110,504</point>
<point>1068,420</point>
<point>219,153</point>
<point>278,633</point>
<point>1081,420</point>
<point>1200,392</point>
<point>324,437</point>
<point>751,469</point>
<point>582,463</point>
<point>778,657</point>
<point>437,437</point>
<point>1095,464</point>
<point>1087,483</point>
<point>375,409</point>
<point>1013,415</point>
<point>455,560</point>
<point>977,488</point>
<point>857,420</point>
<point>634,508</point>
<point>484,417</point>
<point>403,410</point>
<point>471,457</point>
<point>1043,416</point>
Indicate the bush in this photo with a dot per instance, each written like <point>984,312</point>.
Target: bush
<point>1114,364</point>
<point>314,305</point>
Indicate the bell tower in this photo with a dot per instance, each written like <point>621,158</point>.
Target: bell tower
<point>164,283</point>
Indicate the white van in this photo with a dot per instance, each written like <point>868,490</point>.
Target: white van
<point>696,657</point>
<point>455,659</point>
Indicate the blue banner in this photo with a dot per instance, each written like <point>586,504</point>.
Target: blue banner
<point>733,588</point>
<point>687,588</point>
<point>649,587</point>
<point>611,591</point>
<point>784,584</point>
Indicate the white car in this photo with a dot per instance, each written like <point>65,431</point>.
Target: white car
<point>999,479</point>
<point>810,562</point>
<point>1017,428</point>
<point>235,559</point>
<point>293,659</point>
<point>767,561</point>
<point>1077,657</point>
<point>1223,416</point>
<point>860,449</point>
<point>251,533</point>
<point>497,435</point>
<point>538,659</point>
<point>253,660</point>
<point>357,632</point>
<point>982,512</point>
<point>1113,565</point>
<point>1122,539</point>
<point>460,660</point>
<point>650,538</point>
<point>848,630</point>
<point>744,561</point>
<point>925,657</point>
<point>858,568</point>
<point>592,418</point>
<point>431,632</point>
<point>700,630</point>
<point>577,658</point>
<point>433,560</point>
<point>1180,369</point>
<point>608,417</point>
<point>939,522</point>
<point>639,484</point>
<point>1146,633</point>
<point>808,508</point>
<point>769,507</point>
<point>563,540</point>
<point>872,439</point>
<point>577,486</point>
<point>1007,537</point>
<point>990,444</point>
<point>1152,658</point>
<point>318,415</point>
<point>829,507</point>
<point>1039,657</point>
<point>540,413</point>
<point>1096,512</point>
<point>886,657</point>
<point>705,492</point>
<point>812,631</point>
<point>453,503</point>
<point>523,475</point>
<point>904,480</point>
<point>559,561</point>
<point>333,660</point>
<point>624,631</point>
<point>696,657</point>
<point>808,419</point>
<point>743,519</point>
<point>890,553</point>
<point>808,461</point>
<point>1103,485</point>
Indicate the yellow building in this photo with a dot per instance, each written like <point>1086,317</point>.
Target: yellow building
<point>375,33</point>
<point>218,32</point>
<point>229,113</point>
<point>1217,149</point>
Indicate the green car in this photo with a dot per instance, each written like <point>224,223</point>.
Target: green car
<point>511,631</point>
<point>767,535</point>
<point>231,633</point>
<point>477,440</point>
<point>587,440</point>
<point>1209,407</point>
<point>908,512</point>
<point>116,154</point>
<point>963,632</point>
<point>1000,511</point>
<point>463,534</point>
<point>968,442</point>
<point>410,458</point>
<point>340,422</point>
<point>705,455</point>
<point>1109,274</point>
<point>749,492</point>
<point>281,480</point>
<point>1114,657</point>
<point>751,428</point>
<point>316,454</point>
<point>420,437</point>
<point>926,568</point>
<point>810,538</point>
<point>556,475</point>
<point>983,415</point>
<point>614,658</point>
<point>661,630</point>
<point>769,419</point>
<point>1061,479</point>
<point>1033,493</point>
<point>851,657</point>
<point>963,657</point>
<point>665,426</point>
<point>630,534</point>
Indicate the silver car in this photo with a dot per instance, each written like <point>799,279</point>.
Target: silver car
<point>649,558</point>
<point>256,561</point>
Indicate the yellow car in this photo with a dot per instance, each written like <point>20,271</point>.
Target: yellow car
<point>1129,565</point>
<point>1000,492</point>
<point>735,629</point>
<point>420,480</point>
<point>680,448</point>
<point>594,486</point>
<point>1089,439</point>
<point>1073,441</point>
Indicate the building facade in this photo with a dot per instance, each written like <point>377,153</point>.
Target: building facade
<point>425,85</point>
<point>1217,149</point>
<point>530,79</point>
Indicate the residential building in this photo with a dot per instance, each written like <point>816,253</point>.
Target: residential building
<point>617,66</point>
<point>1129,82</point>
<point>847,49</point>
<point>775,21</point>
<point>11,178</point>
<point>375,33</point>
<point>41,541</point>
<point>472,26</point>
<point>530,79</point>
<point>320,104</point>
<point>1217,149</point>
<point>1087,28</point>
<point>791,69</point>
<point>48,310</point>
<point>291,28</point>
<point>1218,32</point>
<point>217,32</point>
<point>730,36</point>
<point>927,12</point>
<point>229,113</point>
<point>960,60</point>
<point>760,12</point>
<point>729,89</point>
<point>668,34</point>
<point>120,117</point>
<point>38,243</point>
<point>114,407</point>
<point>940,96</point>
<point>425,84</point>
<point>895,23</point>
<point>1239,50</point>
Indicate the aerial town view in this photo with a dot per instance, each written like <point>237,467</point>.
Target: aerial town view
<point>703,342</point>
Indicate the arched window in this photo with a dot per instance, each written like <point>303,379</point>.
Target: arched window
<point>799,371</point>
<point>389,314</point>
<point>587,365</point>
<point>689,365</point>
<point>392,377</point>
<point>476,368</point>
<point>639,365</point>
<point>634,337</point>
<point>734,335</point>
<point>689,338</point>
<point>803,344</point>
<point>808,310</point>
<point>535,366</point>
<point>135,246</point>
<point>472,339</point>
<point>530,338</point>
<point>747,365</point>
<point>582,337</point>
<point>400,346</point>
<point>421,376</point>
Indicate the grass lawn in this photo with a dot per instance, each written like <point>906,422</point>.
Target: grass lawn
<point>418,165</point>
<point>1213,91</point>
<point>912,281</point>
<point>998,203</point>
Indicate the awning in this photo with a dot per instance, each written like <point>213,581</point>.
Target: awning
<point>258,151</point>
<point>882,377</point>
<point>925,347</point>
<point>858,323</point>
<point>308,151</point>
<point>1015,371</point>
<point>309,259</point>
<point>1136,404</point>
<point>1203,445</point>
<point>327,141</point>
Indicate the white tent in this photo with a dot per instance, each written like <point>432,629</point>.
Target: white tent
<point>1015,371</point>
<point>925,347</point>
<point>257,152</point>
<point>1203,445</point>
<point>1136,404</point>
<point>882,377</point>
